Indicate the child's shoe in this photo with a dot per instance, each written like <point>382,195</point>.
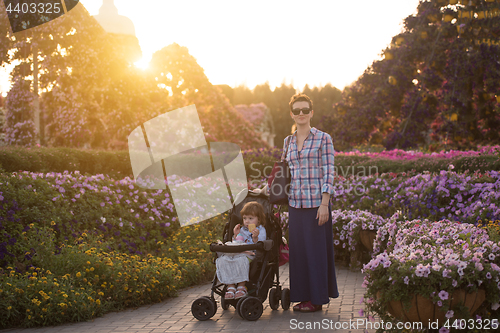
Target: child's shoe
<point>230,293</point>
<point>241,291</point>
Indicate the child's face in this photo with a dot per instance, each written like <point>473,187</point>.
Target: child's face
<point>250,219</point>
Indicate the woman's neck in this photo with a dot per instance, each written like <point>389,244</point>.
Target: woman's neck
<point>303,130</point>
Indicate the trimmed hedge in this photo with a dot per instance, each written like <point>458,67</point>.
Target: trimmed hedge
<point>258,163</point>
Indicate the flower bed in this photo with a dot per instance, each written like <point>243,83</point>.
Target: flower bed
<point>433,260</point>
<point>468,197</point>
<point>80,278</point>
<point>347,228</point>
<point>122,245</point>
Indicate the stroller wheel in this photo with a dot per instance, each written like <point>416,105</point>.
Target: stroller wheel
<point>203,308</point>
<point>238,305</point>
<point>251,308</point>
<point>285,298</point>
<point>274,299</point>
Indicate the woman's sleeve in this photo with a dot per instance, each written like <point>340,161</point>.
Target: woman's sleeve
<point>327,162</point>
<point>285,144</point>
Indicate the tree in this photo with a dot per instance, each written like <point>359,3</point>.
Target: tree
<point>20,128</point>
<point>436,84</point>
<point>92,95</point>
<point>177,72</point>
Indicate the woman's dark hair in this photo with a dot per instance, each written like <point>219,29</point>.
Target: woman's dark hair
<point>255,209</point>
<point>299,98</point>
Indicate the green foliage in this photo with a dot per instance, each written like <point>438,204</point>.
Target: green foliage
<point>277,101</point>
<point>438,83</point>
<point>258,162</point>
<point>79,278</point>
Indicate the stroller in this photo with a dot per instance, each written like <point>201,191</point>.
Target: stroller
<point>264,269</point>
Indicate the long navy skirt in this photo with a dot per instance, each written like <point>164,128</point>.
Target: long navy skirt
<point>312,263</point>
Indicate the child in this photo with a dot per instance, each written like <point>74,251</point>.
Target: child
<point>234,269</point>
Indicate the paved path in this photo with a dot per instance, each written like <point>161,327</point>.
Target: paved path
<point>174,314</point>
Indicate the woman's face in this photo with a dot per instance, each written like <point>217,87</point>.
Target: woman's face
<point>301,118</point>
<point>250,219</point>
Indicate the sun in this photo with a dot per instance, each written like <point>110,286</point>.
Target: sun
<point>142,64</point>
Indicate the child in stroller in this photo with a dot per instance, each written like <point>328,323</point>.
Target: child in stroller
<point>232,268</point>
<point>264,268</point>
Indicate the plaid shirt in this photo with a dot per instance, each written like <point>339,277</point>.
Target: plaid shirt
<point>312,168</point>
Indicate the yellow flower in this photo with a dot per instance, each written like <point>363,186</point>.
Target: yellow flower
<point>78,275</point>
<point>9,307</point>
<point>52,223</point>
<point>98,302</point>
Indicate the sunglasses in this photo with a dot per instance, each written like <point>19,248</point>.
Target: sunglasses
<point>296,112</point>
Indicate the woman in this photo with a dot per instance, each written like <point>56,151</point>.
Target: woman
<point>310,156</point>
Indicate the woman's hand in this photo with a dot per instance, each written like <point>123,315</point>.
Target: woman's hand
<point>322,214</point>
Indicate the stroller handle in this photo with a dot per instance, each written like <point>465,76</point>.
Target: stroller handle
<point>261,245</point>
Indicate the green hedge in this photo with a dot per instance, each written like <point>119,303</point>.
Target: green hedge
<point>258,164</point>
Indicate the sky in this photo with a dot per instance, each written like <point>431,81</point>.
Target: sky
<point>237,42</point>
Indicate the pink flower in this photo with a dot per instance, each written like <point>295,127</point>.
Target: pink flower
<point>443,295</point>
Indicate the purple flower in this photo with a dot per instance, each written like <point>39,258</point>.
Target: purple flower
<point>449,314</point>
<point>443,295</point>
<point>444,330</point>
<point>361,312</point>
<point>102,204</point>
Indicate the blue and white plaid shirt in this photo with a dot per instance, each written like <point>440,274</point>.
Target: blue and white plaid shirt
<point>312,169</point>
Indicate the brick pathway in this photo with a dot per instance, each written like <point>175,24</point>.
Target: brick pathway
<point>174,315</point>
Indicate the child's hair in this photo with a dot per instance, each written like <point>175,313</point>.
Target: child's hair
<point>255,209</point>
